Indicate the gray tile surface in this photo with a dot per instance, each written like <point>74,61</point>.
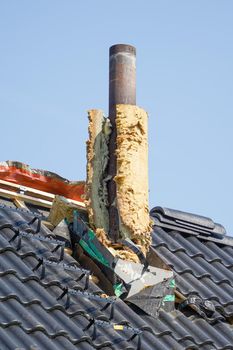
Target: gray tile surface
<point>33,317</point>
<point>203,268</point>
<point>31,305</point>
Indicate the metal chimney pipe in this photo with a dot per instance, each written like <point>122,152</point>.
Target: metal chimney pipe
<point>122,90</point>
<point>122,75</point>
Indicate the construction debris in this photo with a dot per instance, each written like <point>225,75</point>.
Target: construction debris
<point>61,209</point>
<point>42,180</point>
<point>117,268</point>
<point>117,249</point>
<point>102,237</point>
<point>148,287</point>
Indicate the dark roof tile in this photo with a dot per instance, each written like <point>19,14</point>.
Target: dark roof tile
<point>32,304</point>
<point>203,268</point>
<point>182,263</point>
<point>225,253</point>
<point>32,315</point>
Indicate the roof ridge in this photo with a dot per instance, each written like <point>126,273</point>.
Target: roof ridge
<point>192,224</point>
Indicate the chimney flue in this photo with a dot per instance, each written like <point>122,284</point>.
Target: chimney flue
<point>122,75</point>
<point>122,90</point>
<point>117,158</point>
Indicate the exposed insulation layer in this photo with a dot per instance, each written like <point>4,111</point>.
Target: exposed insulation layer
<point>132,174</point>
<point>97,160</point>
<point>117,249</point>
<point>61,209</point>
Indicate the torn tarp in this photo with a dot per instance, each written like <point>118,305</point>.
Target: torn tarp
<point>153,298</point>
<point>137,279</point>
<point>148,287</point>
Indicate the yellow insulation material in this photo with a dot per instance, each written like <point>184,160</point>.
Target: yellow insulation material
<point>132,174</point>
<point>60,210</point>
<point>117,249</point>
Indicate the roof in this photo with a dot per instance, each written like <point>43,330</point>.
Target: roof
<point>203,264</point>
<point>47,300</point>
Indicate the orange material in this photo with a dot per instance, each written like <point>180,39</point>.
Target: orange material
<point>21,174</point>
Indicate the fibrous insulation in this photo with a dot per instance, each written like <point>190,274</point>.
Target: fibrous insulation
<point>131,177</point>
<point>97,160</point>
<point>132,174</point>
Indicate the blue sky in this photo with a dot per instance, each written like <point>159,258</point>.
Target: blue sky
<point>54,67</point>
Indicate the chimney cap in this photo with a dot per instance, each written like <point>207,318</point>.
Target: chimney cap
<point>122,48</point>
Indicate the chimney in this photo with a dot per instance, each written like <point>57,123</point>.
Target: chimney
<point>117,153</point>
<point>122,90</point>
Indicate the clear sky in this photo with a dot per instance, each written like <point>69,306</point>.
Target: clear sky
<point>54,67</point>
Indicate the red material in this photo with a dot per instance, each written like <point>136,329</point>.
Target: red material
<point>47,182</point>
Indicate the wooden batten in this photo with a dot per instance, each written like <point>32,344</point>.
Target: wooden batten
<point>25,198</point>
<point>21,195</point>
<point>19,203</point>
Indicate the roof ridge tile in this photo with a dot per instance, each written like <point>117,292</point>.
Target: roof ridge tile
<point>186,222</point>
